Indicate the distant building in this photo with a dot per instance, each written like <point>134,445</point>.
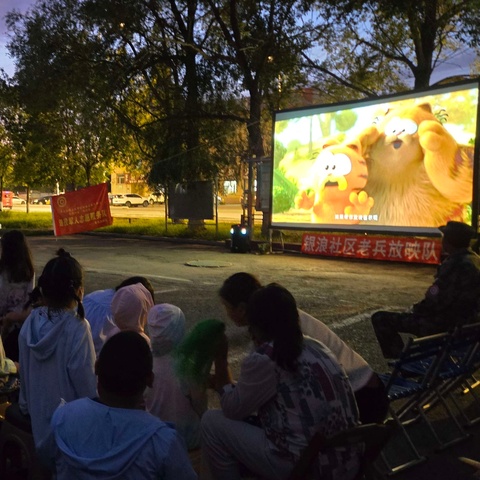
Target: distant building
<point>124,182</point>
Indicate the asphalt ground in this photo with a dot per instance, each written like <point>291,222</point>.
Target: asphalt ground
<point>341,292</point>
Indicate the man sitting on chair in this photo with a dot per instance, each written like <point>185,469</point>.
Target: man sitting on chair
<point>450,301</point>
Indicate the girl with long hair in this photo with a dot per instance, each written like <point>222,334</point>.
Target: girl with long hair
<point>295,386</point>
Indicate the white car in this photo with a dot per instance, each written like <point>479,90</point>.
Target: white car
<point>156,197</point>
<point>130,200</point>
<point>18,201</point>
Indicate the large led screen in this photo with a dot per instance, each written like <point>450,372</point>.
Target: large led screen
<point>403,163</point>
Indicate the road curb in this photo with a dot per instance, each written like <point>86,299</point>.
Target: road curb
<point>276,248</point>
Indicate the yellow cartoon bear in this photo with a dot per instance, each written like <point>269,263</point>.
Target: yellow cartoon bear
<point>336,180</point>
<point>417,173</point>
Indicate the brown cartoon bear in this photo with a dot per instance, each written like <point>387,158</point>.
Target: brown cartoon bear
<point>336,180</point>
<point>417,173</point>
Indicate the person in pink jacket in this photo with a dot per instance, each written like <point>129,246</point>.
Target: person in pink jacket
<point>130,307</point>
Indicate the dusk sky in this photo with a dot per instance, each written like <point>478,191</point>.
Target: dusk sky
<point>7,6</point>
<point>458,64</point>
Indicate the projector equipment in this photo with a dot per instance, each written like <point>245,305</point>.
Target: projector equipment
<point>240,239</point>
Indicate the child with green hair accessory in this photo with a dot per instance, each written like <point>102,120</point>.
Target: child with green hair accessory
<point>173,398</point>
<point>194,356</point>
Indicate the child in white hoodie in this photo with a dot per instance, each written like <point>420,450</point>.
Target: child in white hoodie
<point>112,437</point>
<point>56,349</point>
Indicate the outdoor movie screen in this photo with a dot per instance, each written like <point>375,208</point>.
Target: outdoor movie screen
<point>403,163</point>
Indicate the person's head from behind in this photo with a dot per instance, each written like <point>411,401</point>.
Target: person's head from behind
<point>137,279</point>
<point>235,294</point>
<point>124,369</point>
<point>166,328</point>
<point>61,283</point>
<point>456,236</point>
<point>16,258</point>
<point>273,317</point>
<point>130,306</point>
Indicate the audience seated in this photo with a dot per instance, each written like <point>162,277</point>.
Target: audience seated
<point>111,437</point>
<point>56,349</point>
<point>98,308</point>
<point>368,388</point>
<point>182,402</point>
<point>297,388</point>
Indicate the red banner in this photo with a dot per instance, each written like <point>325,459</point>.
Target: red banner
<point>396,249</point>
<point>82,210</point>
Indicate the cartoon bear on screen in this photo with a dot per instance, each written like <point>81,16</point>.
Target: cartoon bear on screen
<point>336,179</point>
<point>417,173</point>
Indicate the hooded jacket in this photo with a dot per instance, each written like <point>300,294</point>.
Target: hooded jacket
<point>170,399</point>
<point>98,311</point>
<point>95,441</point>
<point>130,306</point>
<point>57,361</point>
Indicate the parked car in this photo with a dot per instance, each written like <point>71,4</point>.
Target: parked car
<point>111,198</point>
<point>117,200</point>
<point>130,200</point>
<point>46,200</point>
<point>156,197</point>
<point>17,200</point>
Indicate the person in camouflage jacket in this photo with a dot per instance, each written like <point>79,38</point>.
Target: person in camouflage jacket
<point>452,299</point>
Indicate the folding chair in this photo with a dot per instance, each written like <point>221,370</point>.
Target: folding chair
<point>410,392</point>
<point>461,360</point>
<point>455,375</point>
<point>370,437</point>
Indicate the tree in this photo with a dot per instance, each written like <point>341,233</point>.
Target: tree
<point>383,43</point>
<point>7,154</point>
<point>260,44</point>
<point>62,100</point>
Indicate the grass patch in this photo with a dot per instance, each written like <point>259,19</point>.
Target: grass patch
<point>156,227</point>
<point>26,221</point>
<point>41,222</point>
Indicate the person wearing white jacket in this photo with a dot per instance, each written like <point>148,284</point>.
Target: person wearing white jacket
<point>57,357</point>
<point>111,437</point>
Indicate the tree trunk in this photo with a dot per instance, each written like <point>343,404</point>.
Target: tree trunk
<point>255,141</point>
<point>422,77</point>
<point>196,225</point>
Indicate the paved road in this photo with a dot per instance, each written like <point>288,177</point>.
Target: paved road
<point>342,293</point>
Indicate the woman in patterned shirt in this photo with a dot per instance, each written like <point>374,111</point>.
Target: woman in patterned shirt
<point>293,386</point>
